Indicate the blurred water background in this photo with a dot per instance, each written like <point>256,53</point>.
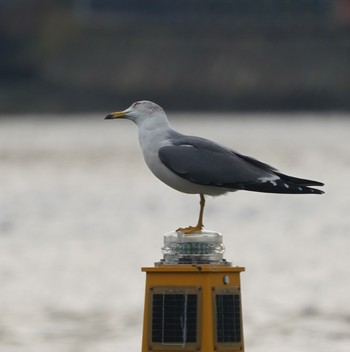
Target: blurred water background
<point>80,213</point>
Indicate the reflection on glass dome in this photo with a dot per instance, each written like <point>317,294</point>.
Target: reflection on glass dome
<point>203,247</point>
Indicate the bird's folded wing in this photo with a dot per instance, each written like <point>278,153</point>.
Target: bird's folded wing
<point>206,163</point>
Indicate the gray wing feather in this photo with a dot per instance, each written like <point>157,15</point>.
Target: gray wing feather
<point>204,162</point>
<point>207,163</point>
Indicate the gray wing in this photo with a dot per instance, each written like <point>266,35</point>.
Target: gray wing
<point>206,163</point>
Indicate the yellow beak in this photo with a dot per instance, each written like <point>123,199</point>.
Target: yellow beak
<point>115,115</point>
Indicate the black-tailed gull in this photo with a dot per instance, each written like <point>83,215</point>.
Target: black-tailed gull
<point>199,166</point>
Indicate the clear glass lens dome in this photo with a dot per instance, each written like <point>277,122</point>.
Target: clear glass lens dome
<point>204,247</point>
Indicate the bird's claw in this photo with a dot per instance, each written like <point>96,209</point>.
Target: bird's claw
<point>189,229</point>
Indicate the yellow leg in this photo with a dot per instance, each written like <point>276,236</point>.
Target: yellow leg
<point>199,226</point>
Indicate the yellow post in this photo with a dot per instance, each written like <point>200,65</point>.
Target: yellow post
<point>213,289</point>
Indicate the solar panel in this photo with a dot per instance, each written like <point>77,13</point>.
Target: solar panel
<point>228,318</point>
<point>174,317</point>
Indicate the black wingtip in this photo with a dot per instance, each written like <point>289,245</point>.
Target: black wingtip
<point>316,191</point>
<point>314,183</point>
<point>281,186</point>
<point>299,181</point>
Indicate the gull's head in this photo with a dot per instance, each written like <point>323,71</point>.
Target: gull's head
<point>139,112</point>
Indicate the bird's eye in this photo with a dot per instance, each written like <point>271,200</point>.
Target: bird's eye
<point>137,103</point>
